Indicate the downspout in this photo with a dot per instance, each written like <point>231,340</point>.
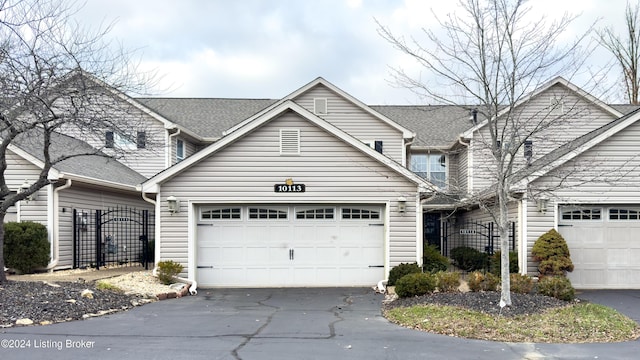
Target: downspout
<point>469,165</point>
<point>193,285</point>
<point>170,147</point>
<point>53,207</point>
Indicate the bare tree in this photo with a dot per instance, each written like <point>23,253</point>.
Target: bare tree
<point>488,57</point>
<point>626,50</point>
<point>52,77</point>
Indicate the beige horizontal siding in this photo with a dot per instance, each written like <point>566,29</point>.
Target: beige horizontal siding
<point>356,122</point>
<point>580,117</point>
<point>332,171</point>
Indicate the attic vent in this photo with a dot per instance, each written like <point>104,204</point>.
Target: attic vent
<point>557,105</point>
<point>289,141</point>
<point>319,106</point>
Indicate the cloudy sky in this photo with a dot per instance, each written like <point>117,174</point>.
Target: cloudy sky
<point>269,48</point>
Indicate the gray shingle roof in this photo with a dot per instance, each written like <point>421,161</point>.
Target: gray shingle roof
<point>435,126</point>
<point>206,117</point>
<point>96,166</point>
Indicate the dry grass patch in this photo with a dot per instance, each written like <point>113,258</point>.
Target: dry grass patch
<point>576,323</point>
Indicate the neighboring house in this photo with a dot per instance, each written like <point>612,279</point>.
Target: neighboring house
<point>83,183</point>
<point>319,189</point>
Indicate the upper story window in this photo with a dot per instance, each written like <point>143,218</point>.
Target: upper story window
<point>119,141</point>
<point>179,150</point>
<point>431,167</point>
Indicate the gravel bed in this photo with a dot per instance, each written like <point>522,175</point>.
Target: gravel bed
<point>487,302</point>
<point>45,303</point>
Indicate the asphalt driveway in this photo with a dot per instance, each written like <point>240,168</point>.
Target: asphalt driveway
<point>281,324</point>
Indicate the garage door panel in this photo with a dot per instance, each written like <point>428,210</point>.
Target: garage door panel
<point>605,250</point>
<point>312,248</point>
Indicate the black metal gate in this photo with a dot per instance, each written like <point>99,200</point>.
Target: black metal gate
<point>480,236</point>
<point>115,236</point>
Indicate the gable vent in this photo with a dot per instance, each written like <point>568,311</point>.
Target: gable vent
<point>289,141</point>
<point>319,106</point>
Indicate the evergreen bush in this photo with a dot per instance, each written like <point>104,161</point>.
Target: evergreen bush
<point>552,252</point>
<point>401,270</point>
<point>558,287</point>
<point>433,260</point>
<point>495,261</point>
<point>26,246</point>
<point>469,259</point>
<point>415,284</point>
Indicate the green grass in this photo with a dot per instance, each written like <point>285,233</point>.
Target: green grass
<point>577,323</point>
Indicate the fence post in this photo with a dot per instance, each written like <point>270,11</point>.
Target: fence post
<point>98,234</point>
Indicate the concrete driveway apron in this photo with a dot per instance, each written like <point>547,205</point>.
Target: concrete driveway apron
<point>278,324</point>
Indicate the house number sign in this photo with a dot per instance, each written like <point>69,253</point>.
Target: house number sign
<point>286,188</point>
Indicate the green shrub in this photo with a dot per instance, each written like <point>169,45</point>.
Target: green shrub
<point>557,286</point>
<point>401,270</point>
<point>469,259</point>
<point>478,281</point>
<point>433,260</point>
<point>415,284</point>
<point>521,284</point>
<point>167,270</point>
<point>26,246</point>
<point>447,281</point>
<point>494,263</point>
<point>552,252</point>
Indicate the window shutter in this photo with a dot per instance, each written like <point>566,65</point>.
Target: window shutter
<point>108,141</point>
<point>378,146</point>
<point>528,150</point>
<point>289,141</point>
<point>142,140</point>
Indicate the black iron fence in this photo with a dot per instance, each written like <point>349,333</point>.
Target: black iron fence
<point>114,236</point>
<point>480,236</point>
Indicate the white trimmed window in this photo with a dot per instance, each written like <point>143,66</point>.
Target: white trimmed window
<point>320,213</point>
<point>356,213</point>
<point>266,213</point>
<point>582,214</point>
<point>431,167</point>
<point>179,150</point>
<point>221,214</point>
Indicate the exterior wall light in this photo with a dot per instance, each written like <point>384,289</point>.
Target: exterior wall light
<point>402,204</point>
<point>542,205</point>
<point>24,188</point>
<point>173,204</point>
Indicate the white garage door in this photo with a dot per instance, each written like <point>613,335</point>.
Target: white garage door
<point>604,242</point>
<point>290,245</point>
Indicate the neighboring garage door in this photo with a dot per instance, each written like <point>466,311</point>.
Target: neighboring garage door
<point>290,245</point>
<point>604,242</point>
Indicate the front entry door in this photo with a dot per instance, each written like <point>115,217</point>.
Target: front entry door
<point>431,224</point>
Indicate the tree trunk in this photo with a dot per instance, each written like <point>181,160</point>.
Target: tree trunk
<point>3,276</point>
<point>503,228</point>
